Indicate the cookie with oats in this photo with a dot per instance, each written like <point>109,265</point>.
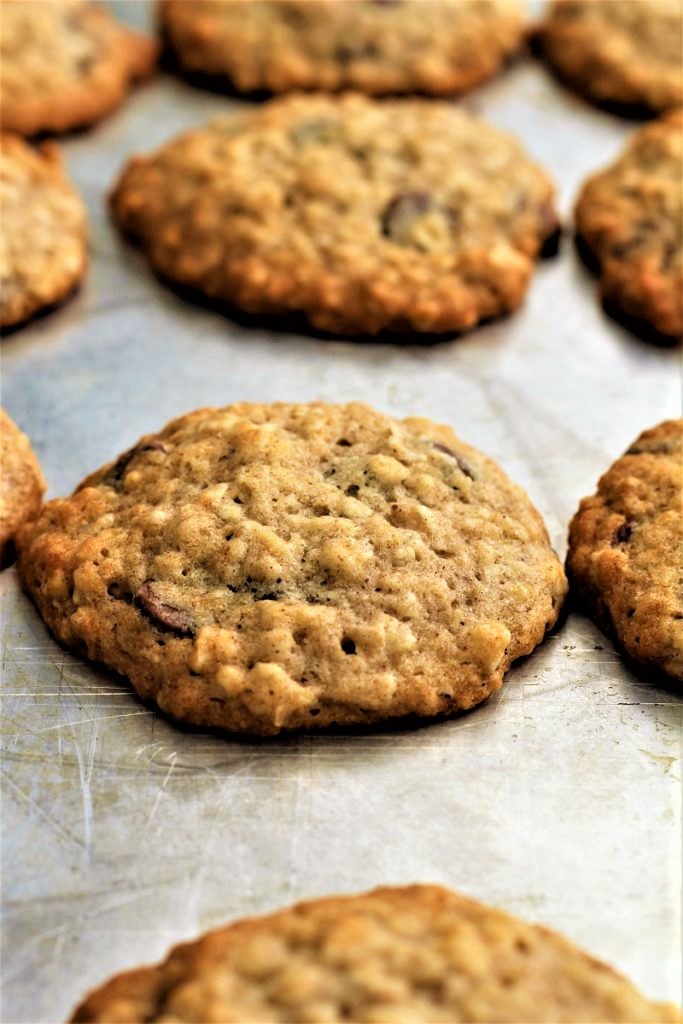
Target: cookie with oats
<point>412,954</point>
<point>364,216</point>
<point>65,64</point>
<point>630,217</point>
<point>625,559</point>
<point>267,567</point>
<point>623,53</point>
<point>44,237</point>
<point>373,46</point>
<point>21,484</point>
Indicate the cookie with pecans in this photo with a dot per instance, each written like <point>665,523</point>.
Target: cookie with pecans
<point>373,46</point>
<point>260,568</point>
<point>625,559</point>
<point>21,484</point>
<point>361,215</point>
<point>65,64</point>
<point>44,237</point>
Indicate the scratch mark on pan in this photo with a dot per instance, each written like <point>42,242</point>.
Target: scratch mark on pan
<point>173,758</point>
<point>55,826</point>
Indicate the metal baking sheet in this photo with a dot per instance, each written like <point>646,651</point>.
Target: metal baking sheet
<point>559,799</point>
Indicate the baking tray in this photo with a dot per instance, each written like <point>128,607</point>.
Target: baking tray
<point>559,799</point>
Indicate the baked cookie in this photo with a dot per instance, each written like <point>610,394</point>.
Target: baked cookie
<point>623,53</point>
<point>630,217</point>
<point>65,64</point>
<point>44,237</point>
<point>413,954</point>
<point>362,215</point>
<point>625,558</point>
<point>268,567</point>
<point>21,484</point>
<point>374,46</point>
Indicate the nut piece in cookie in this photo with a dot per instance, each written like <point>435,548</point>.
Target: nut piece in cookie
<point>268,567</point>
<point>65,64</point>
<point>44,237</point>
<point>630,217</point>
<point>411,954</point>
<point>21,484</point>
<point>364,216</point>
<point>626,54</point>
<point>625,559</point>
<point>372,46</point>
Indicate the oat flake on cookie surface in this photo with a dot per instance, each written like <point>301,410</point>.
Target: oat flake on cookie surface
<point>362,215</point>
<point>267,567</point>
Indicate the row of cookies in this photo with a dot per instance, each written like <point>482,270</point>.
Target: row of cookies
<point>66,64</point>
<point>361,216</point>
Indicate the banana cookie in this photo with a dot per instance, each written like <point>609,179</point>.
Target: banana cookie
<point>21,484</point>
<point>374,46</point>
<point>413,954</point>
<point>630,217</point>
<point>65,64</point>
<point>625,558</point>
<point>267,567</point>
<point>625,53</point>
<point>363,215</point>
<point>44,237</point>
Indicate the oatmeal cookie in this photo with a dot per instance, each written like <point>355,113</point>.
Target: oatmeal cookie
<point>412,954</point>
<point>43,242</point>
<point>21,484</point>
<point>267,567</point>
<point>630,217</point>
<point>65,64</point>
<point>625,53</point>
<point>362,215</point>
<point>625,558</point>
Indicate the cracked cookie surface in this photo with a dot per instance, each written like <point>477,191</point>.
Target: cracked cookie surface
<point>631,218</point>
<point>404,955</point>
<point>623,52</point>
<point>21,484</point>
<point>373,46</point>
<point>268,567</point>
<point>65,64</point>
<point>625,556</point>
<point>362,215</point>
<point>43,243</point>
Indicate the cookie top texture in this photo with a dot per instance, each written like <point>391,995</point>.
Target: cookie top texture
<point>625,556</point>
<point>631,218</point>
<point>267,567</point>
<point>363,215</point>
<point>21,484</point>
<point>65,64</point>
<point>44,237</point>
<point>406,956</point>
<point>627,53</point>
<point>373,46</point>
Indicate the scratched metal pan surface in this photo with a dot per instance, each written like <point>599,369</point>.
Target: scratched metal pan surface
<point>559,799</point>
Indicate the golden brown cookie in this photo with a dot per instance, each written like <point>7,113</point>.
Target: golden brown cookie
<point>65,64</point>
<point>631,218</point>
<point>363,215</point>
<point>268,567</point>
<point>626,53</point>
<point>625,558</point>
<point>408,955</point>
<point>374,46</point>
<point>44,237</point>
<point>21,484</point>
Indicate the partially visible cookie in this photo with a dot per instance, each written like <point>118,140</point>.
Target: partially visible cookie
<point>631,218</point>
<point>268,567</point>
<point>407,955</point>
<point>374,46</point>
<point>626,53</point>
<point>401,215</point>
<point>21,484</point>
<point>44,237</point>
<point>625,559</point>
<point>65,64</point>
